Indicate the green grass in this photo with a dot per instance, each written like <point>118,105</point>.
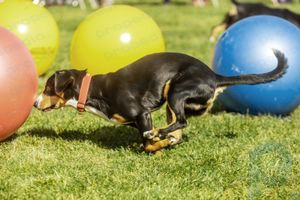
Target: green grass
<point>66,155</point>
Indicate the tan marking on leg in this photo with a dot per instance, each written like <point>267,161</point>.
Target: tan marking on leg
<point>166,89</point>
<point>177,135</point>
<point>174,118</point>
<point>118,118</point>
<point>193,106</point>
<point>210,102</point>
<point>153,146</point>
<point>157,144</point>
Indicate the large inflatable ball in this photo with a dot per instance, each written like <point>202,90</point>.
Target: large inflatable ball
<point>113,37</point>
<point>18,83</point>
<point>35,26</point>
<point>246,47</point>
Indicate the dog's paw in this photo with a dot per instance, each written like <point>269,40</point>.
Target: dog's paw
<point>173,140</point>
<point>150,134</point>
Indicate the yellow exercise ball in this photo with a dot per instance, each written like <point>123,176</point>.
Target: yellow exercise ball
<point>35,26</point>
<point>113,37</point>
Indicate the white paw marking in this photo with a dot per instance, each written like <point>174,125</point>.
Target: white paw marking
<point>173,140</point>
<point>149,135</point>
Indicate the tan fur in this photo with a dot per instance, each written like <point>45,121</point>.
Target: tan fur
<point>118,118</point>
<point>194,106</point>
<point>210,102</point>
<point>177,135</point>
<point>153,146</point>
<point>48,101</point>
<point>166,89</point>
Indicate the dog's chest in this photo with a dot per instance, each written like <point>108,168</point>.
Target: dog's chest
<point>116,119</point>
<point>96,112</point>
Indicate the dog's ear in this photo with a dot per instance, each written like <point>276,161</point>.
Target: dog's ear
<point>62,81</point>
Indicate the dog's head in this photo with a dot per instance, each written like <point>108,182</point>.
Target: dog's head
<point>61,87</point>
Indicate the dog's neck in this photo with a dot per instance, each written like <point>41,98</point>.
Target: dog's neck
<point>83,92</point>
<point>94,103</point>
<point>88,108</point>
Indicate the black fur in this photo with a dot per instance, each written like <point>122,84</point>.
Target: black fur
<point>261,78</point>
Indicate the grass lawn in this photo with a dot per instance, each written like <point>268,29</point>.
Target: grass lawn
<point>66,155</point>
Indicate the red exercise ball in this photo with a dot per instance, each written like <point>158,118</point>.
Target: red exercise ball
<point>18,83</point>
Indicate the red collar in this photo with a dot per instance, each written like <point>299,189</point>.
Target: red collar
<point>84,89</point>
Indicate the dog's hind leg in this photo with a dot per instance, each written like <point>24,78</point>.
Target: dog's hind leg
<point>175,137</point>
<point>172,138</point>
<point>175,103</point>
<point>156,144</point>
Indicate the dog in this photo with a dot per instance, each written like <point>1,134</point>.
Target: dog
<point>187,86</point>
<point>242,10</point>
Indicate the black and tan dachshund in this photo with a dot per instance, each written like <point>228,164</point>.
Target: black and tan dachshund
<point>128,96</point>
<point>242,10</point>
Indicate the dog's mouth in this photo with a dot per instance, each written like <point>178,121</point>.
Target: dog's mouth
<point>51,108</point>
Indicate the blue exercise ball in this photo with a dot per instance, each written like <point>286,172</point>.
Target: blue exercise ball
<point>246,48</point>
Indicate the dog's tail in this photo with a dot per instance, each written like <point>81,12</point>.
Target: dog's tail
<point>251,79</point>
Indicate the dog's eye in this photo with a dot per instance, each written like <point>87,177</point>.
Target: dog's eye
<point>60,95</point>
<point>49,91</point>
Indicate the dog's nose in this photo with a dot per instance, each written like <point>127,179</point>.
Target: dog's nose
<point>35,104</point>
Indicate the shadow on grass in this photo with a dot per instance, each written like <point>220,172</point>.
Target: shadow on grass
<point>107,137</point>
<point>227,134</point>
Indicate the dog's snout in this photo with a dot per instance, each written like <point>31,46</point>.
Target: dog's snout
<point>35,104</point>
